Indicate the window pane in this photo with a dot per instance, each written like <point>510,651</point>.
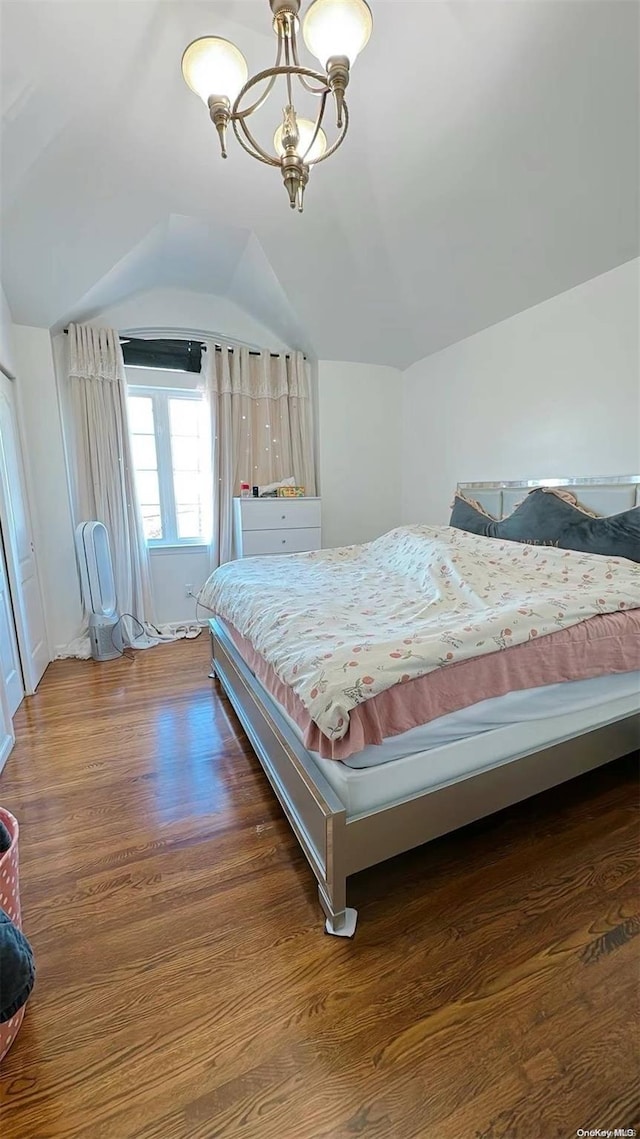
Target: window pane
<point>189,520</point>
<point>186,453</point>
<point>141,414</point>
<point>152,523</point>
<point>172,469</point>
<point>147,484</point>
<point>145,461</point>
<point>185,416</point>
<point>187,487</point>
<point>190,460</point>
<point>144,452</point>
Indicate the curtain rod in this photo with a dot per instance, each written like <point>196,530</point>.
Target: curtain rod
<point>183,340</point>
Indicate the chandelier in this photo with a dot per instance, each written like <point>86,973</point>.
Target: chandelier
<point>335,31</point>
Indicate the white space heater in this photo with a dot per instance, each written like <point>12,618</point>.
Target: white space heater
<point>98,589</point>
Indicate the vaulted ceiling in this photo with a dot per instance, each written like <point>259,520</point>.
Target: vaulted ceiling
<point>492,162</point>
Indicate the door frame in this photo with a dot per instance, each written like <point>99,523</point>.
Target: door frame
<point>13,575</point>
<point>11,612</point>
<point>7,733</point>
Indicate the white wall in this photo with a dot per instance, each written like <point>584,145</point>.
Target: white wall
<point>180,309</point>
<point>172,570</point>
<point>48,485</point>
<point>27,352</point>
<point>551,392</point>
<point>359,407</point>
<point>7,358</point>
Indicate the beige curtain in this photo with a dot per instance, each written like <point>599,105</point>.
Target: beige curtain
<point>105,478</point>
<point>261,429</point>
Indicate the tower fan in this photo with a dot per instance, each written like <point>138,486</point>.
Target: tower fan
<point>98,589</point>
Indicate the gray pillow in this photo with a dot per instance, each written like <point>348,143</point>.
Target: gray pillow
<point>546,518</point>
<point>468,515</point>
<point>616,537</point>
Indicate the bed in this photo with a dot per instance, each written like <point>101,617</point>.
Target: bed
<point>362,802</point>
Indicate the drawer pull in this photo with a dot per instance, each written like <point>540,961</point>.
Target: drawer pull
<point>284,517</point>
<point>284,541</point>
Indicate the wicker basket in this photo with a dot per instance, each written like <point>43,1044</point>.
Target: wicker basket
<point>10,903</point>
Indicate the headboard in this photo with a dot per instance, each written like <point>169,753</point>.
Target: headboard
<point>604,496</point>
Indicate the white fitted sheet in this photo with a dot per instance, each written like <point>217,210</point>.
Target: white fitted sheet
<point>475,739</point>
<point>513,708</point>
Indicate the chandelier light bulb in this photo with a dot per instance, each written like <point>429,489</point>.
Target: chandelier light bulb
<point>337,28</point>
<point>306,130</point>
<point>213,66</point>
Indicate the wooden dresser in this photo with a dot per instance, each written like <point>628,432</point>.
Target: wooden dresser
<point>276,526</point>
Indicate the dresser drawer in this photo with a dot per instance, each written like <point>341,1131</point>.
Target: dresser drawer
<point>280,513</point>
<point>280,541</point>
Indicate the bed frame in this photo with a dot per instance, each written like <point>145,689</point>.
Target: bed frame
<point>336,845</point>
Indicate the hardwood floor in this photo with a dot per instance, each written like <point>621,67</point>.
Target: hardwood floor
<point>185,988</point>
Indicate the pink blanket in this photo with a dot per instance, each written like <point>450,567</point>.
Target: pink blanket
<point>604,644</point>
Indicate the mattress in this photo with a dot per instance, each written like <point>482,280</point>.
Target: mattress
<point>601,646</point>
<point>473,739</point>
<point>343,627</point>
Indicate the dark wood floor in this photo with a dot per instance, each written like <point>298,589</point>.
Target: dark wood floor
<point>186,990</point>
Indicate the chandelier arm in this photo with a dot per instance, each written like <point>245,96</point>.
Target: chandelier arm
<point>317,91</point>
<point>296,59</point>
<point>337,143</point>
<point>254,148</point>
<point>238,116</point>
<point>289,69</point>
<point>265,95</point>
<point>317,126</point>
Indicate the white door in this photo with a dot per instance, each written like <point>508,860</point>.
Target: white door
<point>22,569</point>
<point>10,671</point>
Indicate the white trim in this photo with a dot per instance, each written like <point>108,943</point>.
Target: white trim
<point>31,502</point>
<point>184,547</point>
<point>12,559</point>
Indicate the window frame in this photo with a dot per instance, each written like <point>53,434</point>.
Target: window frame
<point>160,397</point>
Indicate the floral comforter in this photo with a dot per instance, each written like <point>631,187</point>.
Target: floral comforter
<point>340,626</point>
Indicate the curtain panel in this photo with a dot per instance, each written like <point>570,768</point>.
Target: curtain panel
<point>105,476</point>
<point>261,429</point>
